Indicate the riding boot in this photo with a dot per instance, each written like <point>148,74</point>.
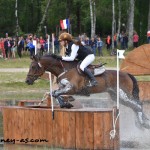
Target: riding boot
<point>93,81</point>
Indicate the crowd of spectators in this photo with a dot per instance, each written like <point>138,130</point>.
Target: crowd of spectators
<point>9,46</point>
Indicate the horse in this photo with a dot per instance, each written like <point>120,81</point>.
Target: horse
<point>71,81</point>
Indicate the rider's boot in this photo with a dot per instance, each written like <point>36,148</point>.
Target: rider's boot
<point>93,81</point>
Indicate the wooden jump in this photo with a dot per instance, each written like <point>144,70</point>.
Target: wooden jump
<point>137,63</point>
<point>85,128</point>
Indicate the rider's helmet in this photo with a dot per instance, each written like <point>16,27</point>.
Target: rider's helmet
<point>65,36</point>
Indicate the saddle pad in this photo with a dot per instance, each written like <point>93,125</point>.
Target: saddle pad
<point>98,71</point>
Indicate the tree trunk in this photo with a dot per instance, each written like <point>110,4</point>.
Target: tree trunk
<point>149,17</point>
<point>113,23</point>
<point>78,14</point>
<point>68,8</point>
<point>131,22</point>
<point>119,16</point>
<point>44,17</point>
<point>16,14</point>
<point>92,18</point>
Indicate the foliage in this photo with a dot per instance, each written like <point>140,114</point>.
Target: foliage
<point>30,14</point>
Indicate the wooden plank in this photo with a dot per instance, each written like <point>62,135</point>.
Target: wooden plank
<point>57,132</point>
<point>79,130</point>
<point>28,127</point>
<point>11,122</point>
<point>49,127</point>
<point>69,130</point>
<point>88,130</point>
<point>108,143</point>
<point>19,123</point>
<point>59,129</point>
<point>144,90</point>
<point>5,124</point>
<point>41,120</point>
<point>98,130</point>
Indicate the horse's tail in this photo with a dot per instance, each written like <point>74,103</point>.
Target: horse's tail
<point>135,91</point>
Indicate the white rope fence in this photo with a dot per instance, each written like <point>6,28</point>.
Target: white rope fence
<point>113,132</point>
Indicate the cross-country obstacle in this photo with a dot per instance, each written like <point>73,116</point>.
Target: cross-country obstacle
<point>84,128</point>
<point>137,63</point>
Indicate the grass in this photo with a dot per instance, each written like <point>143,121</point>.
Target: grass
<point>13,87</point>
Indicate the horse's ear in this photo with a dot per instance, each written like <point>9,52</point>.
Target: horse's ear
<point>32,57</point>
<point>35,57</point>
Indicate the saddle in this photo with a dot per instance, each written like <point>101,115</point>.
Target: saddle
<point>95,69</point>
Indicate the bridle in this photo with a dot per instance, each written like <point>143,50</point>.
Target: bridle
<point>35,76</point>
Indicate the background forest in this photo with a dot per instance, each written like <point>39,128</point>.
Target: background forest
<point>30,14</point>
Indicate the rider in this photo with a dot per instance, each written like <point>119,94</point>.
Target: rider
<point>74,49</point>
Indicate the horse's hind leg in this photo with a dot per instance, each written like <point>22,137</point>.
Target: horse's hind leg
<point>133,104</point>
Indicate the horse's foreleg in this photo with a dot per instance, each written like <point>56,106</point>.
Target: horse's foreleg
<point>64,87</point>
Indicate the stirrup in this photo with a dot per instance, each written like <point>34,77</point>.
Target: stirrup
<point>92,83</point>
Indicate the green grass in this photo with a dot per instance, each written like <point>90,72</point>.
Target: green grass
<point>15,63</point>
<point>143,78</point>
<point>13,87</point>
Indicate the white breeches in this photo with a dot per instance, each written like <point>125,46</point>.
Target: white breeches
<point>87,61</point>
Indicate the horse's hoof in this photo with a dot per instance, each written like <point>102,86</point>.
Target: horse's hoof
<point>143,120</point>
<point>68,105</point>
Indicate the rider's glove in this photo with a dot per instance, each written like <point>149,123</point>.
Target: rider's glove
<point>56,57</point>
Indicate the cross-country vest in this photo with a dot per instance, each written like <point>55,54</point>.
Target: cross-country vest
<point>82,52</point>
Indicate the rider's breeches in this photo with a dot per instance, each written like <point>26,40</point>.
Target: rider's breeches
<point>87,61</point>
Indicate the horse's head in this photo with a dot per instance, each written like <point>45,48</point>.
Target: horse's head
<point>35,70</point>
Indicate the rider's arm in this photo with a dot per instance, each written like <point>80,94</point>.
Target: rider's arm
<point>74,50</point>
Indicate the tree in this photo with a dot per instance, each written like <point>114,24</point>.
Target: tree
<point>119,16</point>
<point>131,23</point>
<point>44,17</point>
<point>113,23</point>
<point>93,17</point>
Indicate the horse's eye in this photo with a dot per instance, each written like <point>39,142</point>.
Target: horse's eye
<point>33,67</point>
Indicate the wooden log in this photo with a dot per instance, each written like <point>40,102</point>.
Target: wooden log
<point>144,88</point>
<point>136,62</point>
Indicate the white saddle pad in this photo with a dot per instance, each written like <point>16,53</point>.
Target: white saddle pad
<point>98,71</point>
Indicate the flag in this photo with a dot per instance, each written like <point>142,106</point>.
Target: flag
<point>64,23</point>
<point>120,54</point>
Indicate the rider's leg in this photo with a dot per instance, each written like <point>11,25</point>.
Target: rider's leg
<point>83,66</point>
<point>91,76</point>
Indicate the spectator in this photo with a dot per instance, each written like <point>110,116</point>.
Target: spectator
<point>2,48</point>
<point>6,48</point>
<point>31,47</point>
<point>148,36</point>
<point>93,45</point>
<point>122,40</point>
<point>38,46</point>
<point>108,42</point>
<point>135,39</point>
<point>99,46</point>
<point>42,42</point>
<point>56,45</point>
<point>115,40</point>
<point>20,46</point>
<point>13,48</point>
<point>125,41</point>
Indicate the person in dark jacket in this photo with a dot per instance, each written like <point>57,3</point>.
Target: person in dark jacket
<point>75,50</point>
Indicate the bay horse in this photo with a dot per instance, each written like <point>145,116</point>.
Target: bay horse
<point>71,82</point>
